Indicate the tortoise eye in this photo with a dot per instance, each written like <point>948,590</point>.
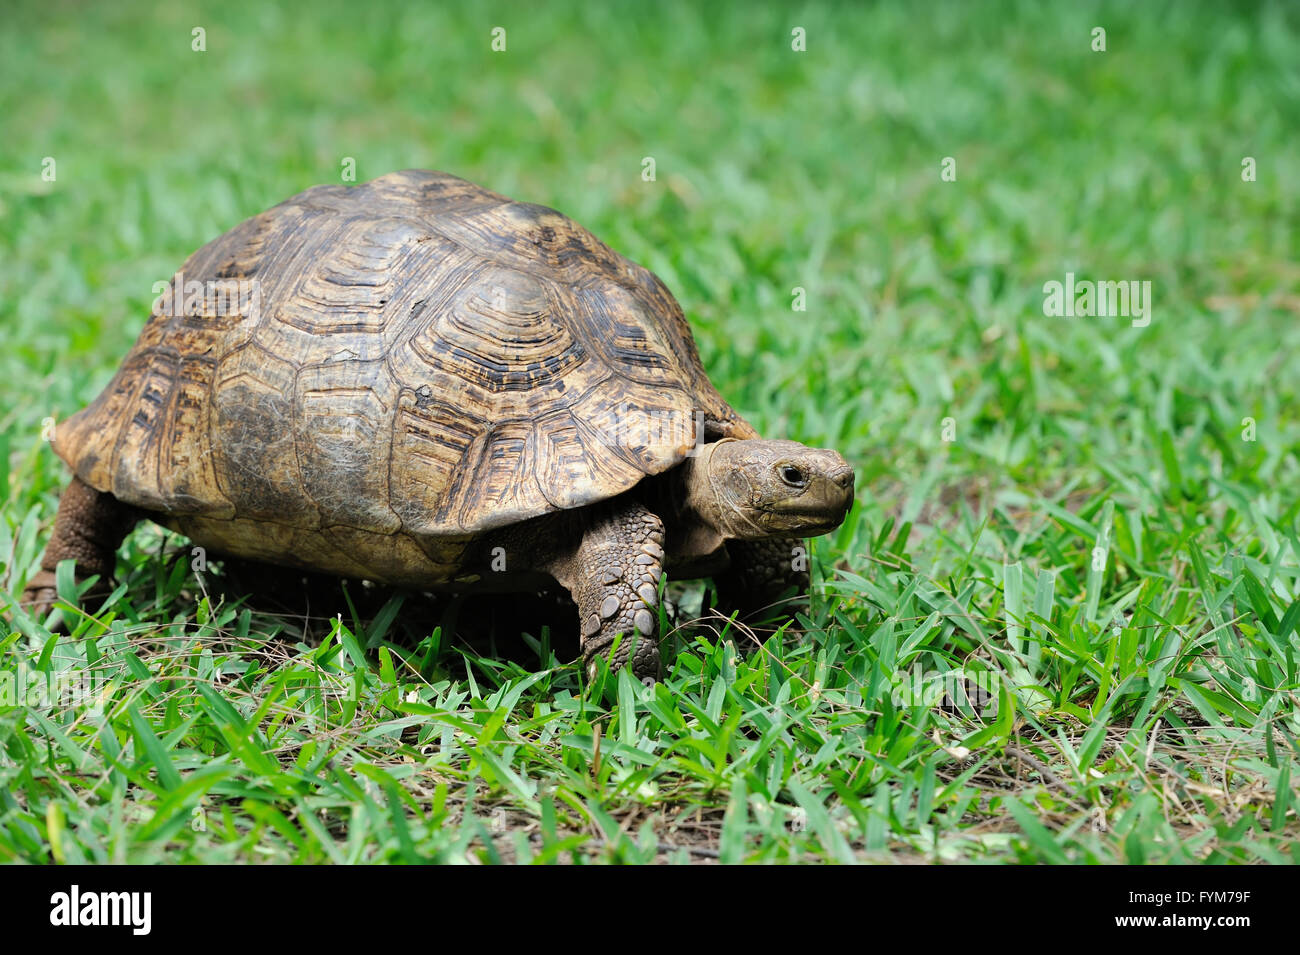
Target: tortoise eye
<point>793,476</point>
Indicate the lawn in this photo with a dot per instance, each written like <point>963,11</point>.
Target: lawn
<point>1061,623</point>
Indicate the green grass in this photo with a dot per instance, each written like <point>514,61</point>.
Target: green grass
<point>1107,545</point>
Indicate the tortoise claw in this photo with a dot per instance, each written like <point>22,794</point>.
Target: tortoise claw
<point>39,595</point>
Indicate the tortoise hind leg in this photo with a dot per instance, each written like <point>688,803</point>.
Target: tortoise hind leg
<point>89,529</point>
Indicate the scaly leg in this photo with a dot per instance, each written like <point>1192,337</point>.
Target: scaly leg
<point>614,578</point>
<point>761,574</point>
<point>89,529</point>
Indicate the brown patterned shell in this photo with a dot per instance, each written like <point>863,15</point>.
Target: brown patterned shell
<point>415,355</point>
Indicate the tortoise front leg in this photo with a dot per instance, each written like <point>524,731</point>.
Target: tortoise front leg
<point>89,529</point>
<point>759,581</point>
<point>614,578</point>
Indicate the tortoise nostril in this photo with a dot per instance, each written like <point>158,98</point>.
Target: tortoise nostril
<point>843,478</point>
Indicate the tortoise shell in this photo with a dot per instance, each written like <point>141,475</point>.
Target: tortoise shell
<point>413,357</point>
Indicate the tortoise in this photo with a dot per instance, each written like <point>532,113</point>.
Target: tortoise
<point>422,383</point>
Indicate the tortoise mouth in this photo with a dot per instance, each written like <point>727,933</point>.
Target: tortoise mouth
<point>817,530</point>
<point>817,512</point>
<point>805,521</point>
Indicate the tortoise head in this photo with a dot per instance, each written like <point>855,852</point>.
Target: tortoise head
<point>755,489</point>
